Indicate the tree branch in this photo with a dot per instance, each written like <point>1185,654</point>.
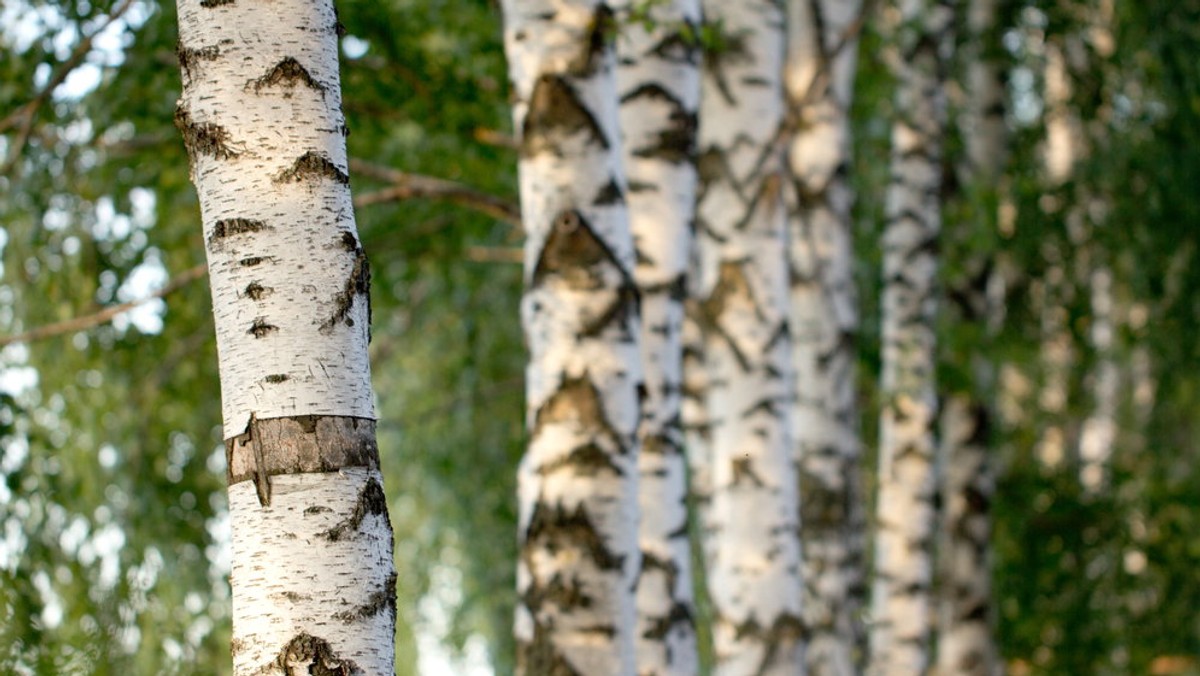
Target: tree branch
<point>104,316</point>
<point>23,117</point>
<point>409,186</point>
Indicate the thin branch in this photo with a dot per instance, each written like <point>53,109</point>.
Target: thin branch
<point>491,254</point>
<point>23,117</point>
<point>106,315</point>
<point>416,186</point>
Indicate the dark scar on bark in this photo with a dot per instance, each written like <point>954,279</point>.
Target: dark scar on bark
<point>188,58</point>
<point>601,33</point>
<point>287,73</point>
<point>315,656</point>
<point>317,509</point>
<point>556,527</point>
<point>215,3</point>
<point>542,656</point>
<point>370,501</point>
<point>555,114</point>
<point>313,165</point>
<point>228,227</point>
<point>261,328</point>
<point>204,138</point>
<point>276,378</point>
<point>610,194</point>
<point>256,291</point>
<point>380,600</point>
<point>357,283</point>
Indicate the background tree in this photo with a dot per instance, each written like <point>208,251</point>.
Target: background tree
<point>823,38</point>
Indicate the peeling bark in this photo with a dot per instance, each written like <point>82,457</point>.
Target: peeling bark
<point>751,543</point>
<point>659,91</point>
<point>577,483</point>
<point>313,581</point>
<point>901,604</point>
<point>824,325</point>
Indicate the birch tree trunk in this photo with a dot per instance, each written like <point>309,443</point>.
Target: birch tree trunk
<point>824,326</point>
<point>577,484</point>
<point>966,643</point>
<point>313,581</point>
<point>752,545</point>
<point>658,78</point>
<point>905,513</point>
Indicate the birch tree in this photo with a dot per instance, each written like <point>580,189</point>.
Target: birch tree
<point>824,325</point>
<point>751,541</point>
<point>905,512</point>
<point>313,581</point>
<point>965,613</point>
<point>659,84</point>
<point>577,483</point>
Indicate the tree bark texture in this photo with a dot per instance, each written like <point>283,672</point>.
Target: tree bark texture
<point>658,79</point>
<point>577,483</point>
<point>966,642</point>
<point>752,546</point>
<point>905,511</point>
<point>824,325</point>
<point>313,581</point>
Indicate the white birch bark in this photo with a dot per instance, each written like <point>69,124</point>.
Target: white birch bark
<point>752,545</point>
<point>577,484</point>
<point>313,581</point>
<point>824,324</point>
<point>900,604</point>
<point>658,79</point>
<point>966,644</point>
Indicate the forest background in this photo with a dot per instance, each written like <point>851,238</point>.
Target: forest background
<point>113,520</point>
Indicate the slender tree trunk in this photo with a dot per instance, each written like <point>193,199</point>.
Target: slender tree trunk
<point>752,549</point>
<point>577,484</point>
<point>658,78</point>
<point>905,512</point>
<point>824,325</point>
<point>966,644</point>
<point>313,581</point>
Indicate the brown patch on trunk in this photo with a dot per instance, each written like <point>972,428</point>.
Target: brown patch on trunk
<point>677,142</point>
<point>256,291</point>
<point>292,446</point>
<point>287,73</point>
<point>312,656</point>
<point>261,329</point>
<point>555,115</point>
<point>188,58</point>
<point>371,501</point>
<point>380,600</point>
<point>358,283</point>
<point>602,31</point>
<point>577,403</point>
<point>541,657</point>
<point>554,527</point>
<point>313,166</point>
<point>229,227</point>
<point>203,138</point>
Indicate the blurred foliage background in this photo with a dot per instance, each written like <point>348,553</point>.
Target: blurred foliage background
<point>113,523</point>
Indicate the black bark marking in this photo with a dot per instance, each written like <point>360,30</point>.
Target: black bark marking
<point>555,528</point>
<point>743,470</point>
<point>229,227</point>
<point>189,58</point>
<point>313,166</point>
<point>317,509</point>
<point>578,403</point>
<point>676,143</point>
<point>371,501</point>
<point>287,73</point>
<point>203,138</point>
<point>276,378</point>
<point>260,328</point>
<point>609,194</point>
<point>256,291</point>
<point>540,656</point>
<point>786,629</point>
<point>357,283</point>
<point>315,656</point>
<point>251,261</point>
<point>349,241</point>
<point>587,460</point>
<point>575,254</point>
<point>380,600</point>
<point>602,31</point>
<point>215,3</point>
<point>555,115</point>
